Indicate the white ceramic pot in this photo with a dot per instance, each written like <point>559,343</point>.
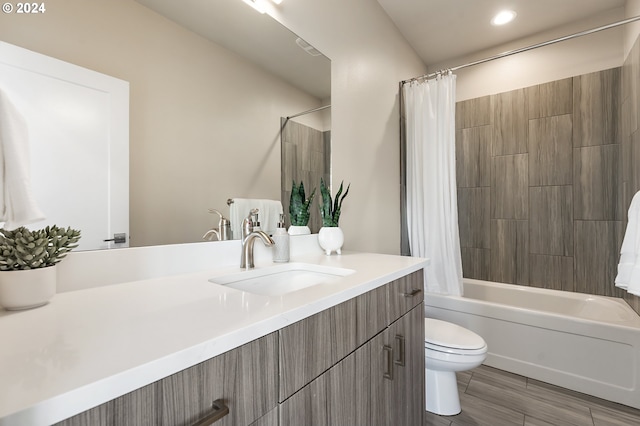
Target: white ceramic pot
<point>27,289</point>
<point>331,239</point>
<point>299,230</point>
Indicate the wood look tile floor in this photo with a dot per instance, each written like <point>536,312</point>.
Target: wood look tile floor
<point>491,397</point>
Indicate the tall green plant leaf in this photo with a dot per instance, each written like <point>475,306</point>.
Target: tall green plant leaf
<point>330,208</point>
<point>299,206</point>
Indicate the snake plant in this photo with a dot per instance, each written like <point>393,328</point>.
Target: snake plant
<point>299,206</point>
<point>22,249</point>
<point>330,209</point>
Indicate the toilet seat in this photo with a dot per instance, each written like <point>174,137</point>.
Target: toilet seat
<point>454,351</point>
<point>446,337</point>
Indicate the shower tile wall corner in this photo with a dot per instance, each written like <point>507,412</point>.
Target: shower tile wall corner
<point>545,176</point>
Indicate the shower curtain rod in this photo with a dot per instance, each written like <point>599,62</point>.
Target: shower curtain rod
<point>309,111</point>
<point>524,49</point>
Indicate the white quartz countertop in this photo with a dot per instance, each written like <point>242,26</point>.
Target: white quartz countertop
<point>89,346</point>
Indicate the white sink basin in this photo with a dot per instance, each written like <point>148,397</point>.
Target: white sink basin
<point>281,279</point>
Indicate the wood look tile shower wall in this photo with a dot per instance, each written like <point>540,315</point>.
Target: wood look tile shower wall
<point>545,177</point>
<point>630,139</point>
<point>306,157</point>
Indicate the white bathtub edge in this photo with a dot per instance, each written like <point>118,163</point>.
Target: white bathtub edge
<point>597,359</point>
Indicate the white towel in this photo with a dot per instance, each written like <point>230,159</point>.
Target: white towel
<point>268,214</point>
<point>17,205</point>
<point>628,276</point>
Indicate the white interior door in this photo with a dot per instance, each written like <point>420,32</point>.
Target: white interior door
<point>78,123</point>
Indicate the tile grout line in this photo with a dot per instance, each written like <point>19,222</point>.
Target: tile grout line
<point>469,382</point>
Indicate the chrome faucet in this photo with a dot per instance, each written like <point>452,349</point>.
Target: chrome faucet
<point>248,239</point>
<point>208,236</point>
<point>222,232</point>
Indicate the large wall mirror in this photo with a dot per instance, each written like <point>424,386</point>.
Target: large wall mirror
<point>210,82</point>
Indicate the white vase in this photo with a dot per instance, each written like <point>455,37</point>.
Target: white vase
<point>27,289</point>
<point>331,239</point>
<point>299,230</point>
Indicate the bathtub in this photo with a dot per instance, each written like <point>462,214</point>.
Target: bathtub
<point>590,344</point>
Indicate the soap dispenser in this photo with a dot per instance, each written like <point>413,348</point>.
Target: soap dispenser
<point>281,239</point>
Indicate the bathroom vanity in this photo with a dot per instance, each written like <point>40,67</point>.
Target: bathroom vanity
<point>180,349</point>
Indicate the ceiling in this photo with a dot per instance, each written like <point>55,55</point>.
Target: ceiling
<point>441,30</point>
<point>438,30</point>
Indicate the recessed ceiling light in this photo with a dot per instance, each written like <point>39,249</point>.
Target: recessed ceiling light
<point>503,17</point>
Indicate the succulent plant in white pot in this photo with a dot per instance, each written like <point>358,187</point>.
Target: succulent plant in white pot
<point>27,264</point>
<point>331,236</point>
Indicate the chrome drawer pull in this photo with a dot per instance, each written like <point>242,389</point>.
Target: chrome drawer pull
<point>400,346</point>
<point>219,411</point>
<point>387,352</point>
<point>412,292</point>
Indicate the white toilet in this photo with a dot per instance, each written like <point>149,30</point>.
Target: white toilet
<point>448,348</point>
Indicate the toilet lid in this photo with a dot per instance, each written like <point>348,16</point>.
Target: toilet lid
<point>450,335</point>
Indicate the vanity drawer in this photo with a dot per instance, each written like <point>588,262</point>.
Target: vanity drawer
<point>404,294</point>
<point>244,379</point>
<point>313,345</point>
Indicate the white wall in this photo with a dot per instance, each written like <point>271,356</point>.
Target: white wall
<point>368,59</point>
<point>595,52</point>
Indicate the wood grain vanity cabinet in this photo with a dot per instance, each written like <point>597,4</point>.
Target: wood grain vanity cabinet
<point>362,369</point>
<point>245,379</point>
<point>358,363</point>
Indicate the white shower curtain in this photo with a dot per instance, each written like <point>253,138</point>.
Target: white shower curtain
<point>432,208</point>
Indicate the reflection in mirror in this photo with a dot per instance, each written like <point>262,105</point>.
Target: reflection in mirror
<point>204,119</point>
<point>70,113</point>
<point>306,158</point>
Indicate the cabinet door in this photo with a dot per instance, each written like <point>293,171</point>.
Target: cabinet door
<point>244,378</point>
<point>406,337</point>
<point>381,378</point>
<point>340,396</point>
<point>397,372</point>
